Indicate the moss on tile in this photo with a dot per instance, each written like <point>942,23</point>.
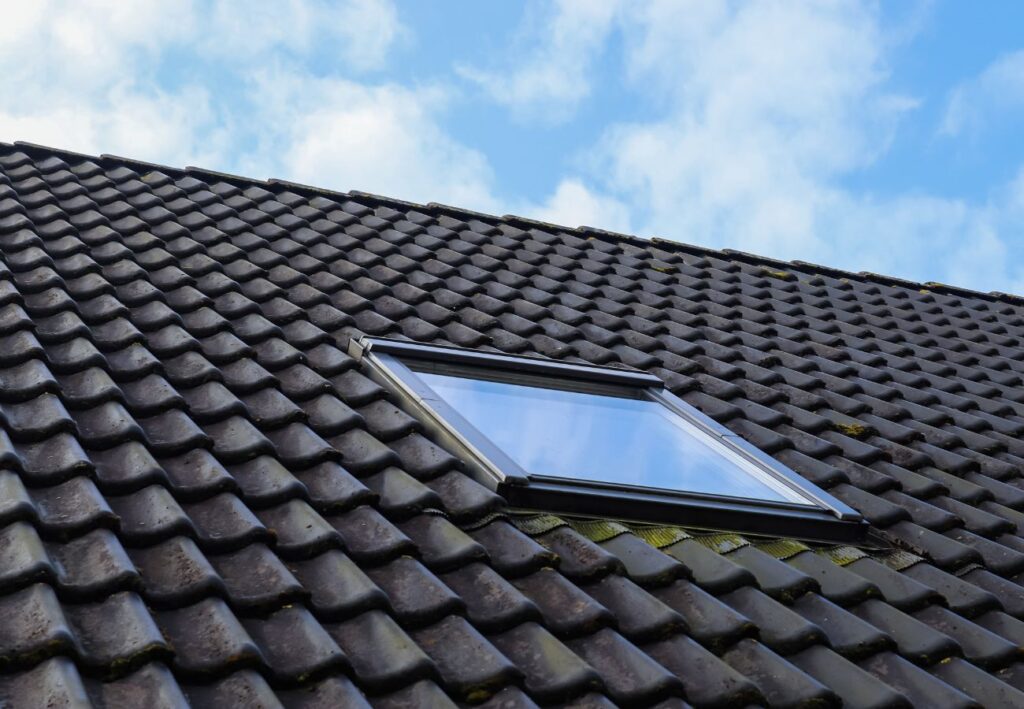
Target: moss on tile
<point>782,549</point>
<point>599,530</point>
<point>535,525</point>
<point>853,430</point>
<point>722,543</point>
<point>781,275</point>
<point>898,560</point>
<point>843,555</point>
<point>661,537</point>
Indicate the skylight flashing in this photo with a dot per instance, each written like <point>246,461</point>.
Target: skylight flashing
<point>776,500</point>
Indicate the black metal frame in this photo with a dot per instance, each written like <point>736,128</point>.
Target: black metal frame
<point>393,364</point>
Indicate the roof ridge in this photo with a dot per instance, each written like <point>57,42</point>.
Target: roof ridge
<point>582,231</point>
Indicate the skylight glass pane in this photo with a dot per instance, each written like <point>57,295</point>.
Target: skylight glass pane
<point>585,436</point>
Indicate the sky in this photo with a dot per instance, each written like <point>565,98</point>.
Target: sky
<point>867,136</point>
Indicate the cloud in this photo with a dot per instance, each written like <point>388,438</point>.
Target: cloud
<point>64,68</point>
<point>546,75</point>
<point>769,104</point>
<point>361,32</point>
<point>161,81</point>
<point>759,112</point>
<point>757,115</point>
<point>386,138</point>
<point>991,97</point>
<point>174,84</point>
<point>574,204</point>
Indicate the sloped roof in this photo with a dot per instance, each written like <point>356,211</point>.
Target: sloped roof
<point>203,500</point>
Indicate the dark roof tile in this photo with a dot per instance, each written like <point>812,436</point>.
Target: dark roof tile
<point>195,475</point>
<point>780,682</point>
<point>298,530</point>
<point>711,622</point>
<point>579,557</point>
<point>73,507</point>
<point>241,688</point>
<point>339,588</point>
<point>424,693</point>
<point>332,489</point>
<point>643,563</point>
<point>492,603</point>
<point>335,691</point>
<point>552,672</point>
<point>470,667</point>
<point>714,572</point>
<point>90,566</point>
<point>442,545</point>
<point>776,578</point>
<point>512,553</point>
<point>381,653</point>
<point>190,321</point>
<point>207,639</point>
<point>299,446</point>
<point>116,634</point>
<point>270,409</point>
<point>54,682</point>
<point>416,595</point>
<point>855,686</point>
<point>630,676</point>
<point>837,584</point>
<point>176,573</point>
<point>294,646</point>
<point>256,579</point>
<point>35,628</point>
<point>780,628</point>
<point>707,680</point>
<point>980,646</point>
<point>919,687</point>
<point>915,641</point>
<point>640,616</point>
<point>566,609</point>
<point>847,634</point>
<point>150,515</point>
<point>400,494</point>
<point>981,686</point>
<point>959,595</point>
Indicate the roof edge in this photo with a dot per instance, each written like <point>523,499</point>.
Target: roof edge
<point>583,231</point>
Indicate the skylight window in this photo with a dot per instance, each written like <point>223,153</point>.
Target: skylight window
<point>600,441</point>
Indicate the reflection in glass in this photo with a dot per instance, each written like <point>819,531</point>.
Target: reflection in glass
<point>584,436</point>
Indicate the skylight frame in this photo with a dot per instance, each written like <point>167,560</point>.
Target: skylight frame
<point>393,364</point>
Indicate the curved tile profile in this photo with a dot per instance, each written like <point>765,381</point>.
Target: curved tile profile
<point>205,501</point>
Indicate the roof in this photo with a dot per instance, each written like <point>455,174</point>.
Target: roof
<point>203,500</point>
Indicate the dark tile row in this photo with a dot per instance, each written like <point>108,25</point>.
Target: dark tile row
<point>205,501</point>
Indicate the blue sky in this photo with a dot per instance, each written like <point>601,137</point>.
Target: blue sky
<point>866,136</point>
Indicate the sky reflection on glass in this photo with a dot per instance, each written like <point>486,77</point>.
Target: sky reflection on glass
<point>585,436</point>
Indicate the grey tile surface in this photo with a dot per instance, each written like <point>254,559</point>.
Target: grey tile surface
<point>204,501</point>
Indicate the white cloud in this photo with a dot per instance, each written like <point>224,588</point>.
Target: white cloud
<point>65,69</point>
<point>362,32</point>
<point>547,74</point>
<point>100,75</point>
<point>989,97</point>
<point>768,105</point>
<point>760,112</point>
<point>574,204</point>
<point>387,139</point>
<point>176,128</point>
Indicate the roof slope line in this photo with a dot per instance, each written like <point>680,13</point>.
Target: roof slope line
<point>583,231</point>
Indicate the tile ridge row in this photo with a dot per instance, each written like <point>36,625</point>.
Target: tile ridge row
<point>583,231</point>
